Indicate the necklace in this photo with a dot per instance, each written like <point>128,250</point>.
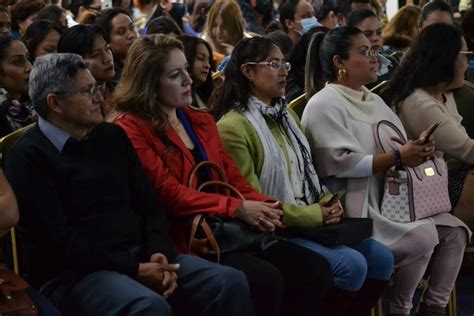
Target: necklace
<point>176,125</point>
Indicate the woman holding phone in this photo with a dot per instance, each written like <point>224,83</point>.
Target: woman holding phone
<point>339,123</point>
<point>421,94</point>
<point>265,140</point>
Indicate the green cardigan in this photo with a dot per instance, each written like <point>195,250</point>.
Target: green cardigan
<point>241,141</point>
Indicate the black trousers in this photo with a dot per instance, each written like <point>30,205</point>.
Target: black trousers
<point>286,279</point>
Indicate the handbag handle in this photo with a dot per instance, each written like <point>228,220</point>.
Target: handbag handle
<point>206,163</point>
<point>227,186</point>
<point>200,221</point>
<point>401,139</point>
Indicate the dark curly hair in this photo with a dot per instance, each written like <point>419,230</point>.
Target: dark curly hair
<point>236,90</point>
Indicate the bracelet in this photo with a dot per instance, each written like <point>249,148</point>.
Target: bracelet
<point>397,158</point>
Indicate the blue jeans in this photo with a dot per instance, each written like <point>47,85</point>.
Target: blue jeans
<point>352,265</point>
<point>204,288</point>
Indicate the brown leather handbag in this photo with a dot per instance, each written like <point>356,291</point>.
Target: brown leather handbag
<point>15,300</point>
<point>212,236</point>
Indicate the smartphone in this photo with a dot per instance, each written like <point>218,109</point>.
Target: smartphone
<point>431,131</point>
<point>105,4</point>
<point>336,197</point>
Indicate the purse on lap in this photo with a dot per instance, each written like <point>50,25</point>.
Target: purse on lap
<point>213,236</point>
<point>413,193</point>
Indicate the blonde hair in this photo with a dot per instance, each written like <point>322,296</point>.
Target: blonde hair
<point>140,81</point>
<point>398,30</point>
<point>233,21</point>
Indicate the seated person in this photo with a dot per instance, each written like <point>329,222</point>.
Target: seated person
<point>119,29</point>
<point>421,94</point>
<point>16,110</point>
<point>339,124</point>
<point>95,237</point>
<point>8,218</point>
<point>171,139</point>
<point>92,43</point>
<point>297,18</point>
<point>369,23</point>
<point>436,12</point>
<point>5,21</point>
<point>272,153</point>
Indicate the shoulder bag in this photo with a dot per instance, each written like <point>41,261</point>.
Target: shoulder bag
<point>413,193</point>
<point>213,236</point>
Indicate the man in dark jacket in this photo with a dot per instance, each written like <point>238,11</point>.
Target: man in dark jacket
<point>95,238</point>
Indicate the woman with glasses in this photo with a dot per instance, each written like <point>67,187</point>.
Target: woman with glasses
<point>170,139</point>
<point>421,94</point>
<point>339,122</point>
<point>16,110</point>
<point>265,140</point>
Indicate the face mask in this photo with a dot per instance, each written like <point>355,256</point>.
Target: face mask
<point>308,24</point>
<point>263,7</point>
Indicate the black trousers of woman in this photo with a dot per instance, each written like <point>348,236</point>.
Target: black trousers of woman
<point>286,279</point>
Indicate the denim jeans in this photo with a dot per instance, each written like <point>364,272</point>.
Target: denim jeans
<point>204,288</point>
<point>352,265</point>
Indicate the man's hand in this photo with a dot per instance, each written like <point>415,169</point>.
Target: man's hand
<point>170,278</point>
<point>160,276</point>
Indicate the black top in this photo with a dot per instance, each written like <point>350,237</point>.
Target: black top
<point>86,209</point>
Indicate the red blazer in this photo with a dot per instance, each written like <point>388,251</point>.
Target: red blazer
<point>169,166</point>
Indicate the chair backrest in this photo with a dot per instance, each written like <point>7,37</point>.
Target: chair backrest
<point>217,75</point>
<point>298,104</point>
<point>397,55</point>
<point>8,141</point>
<point>378,88</point>
<point>469,84</point>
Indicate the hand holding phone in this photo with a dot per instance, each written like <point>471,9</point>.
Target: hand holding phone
<point>335,198</point>
<point>430,132</point>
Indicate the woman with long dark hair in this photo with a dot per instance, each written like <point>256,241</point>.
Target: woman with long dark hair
<point>16,110</point>
<point>272,153</point>
<point>421,94</point>
<point>200,66</point>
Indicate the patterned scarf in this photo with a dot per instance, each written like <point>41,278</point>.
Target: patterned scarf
<point>274,179</point>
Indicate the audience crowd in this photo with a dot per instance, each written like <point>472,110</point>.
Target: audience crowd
<point>137,124</point>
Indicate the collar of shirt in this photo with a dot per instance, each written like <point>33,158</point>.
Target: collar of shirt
<point>56,136</point>
<point>384,64</point>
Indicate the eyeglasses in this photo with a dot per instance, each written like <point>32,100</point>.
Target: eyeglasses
<point>274,65</point>
<point>369,53</point>
<point>90,91</point>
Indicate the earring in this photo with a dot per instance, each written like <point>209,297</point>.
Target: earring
<point>341,73</point>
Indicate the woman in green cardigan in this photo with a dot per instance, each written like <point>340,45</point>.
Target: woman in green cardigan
<point>266,142</point>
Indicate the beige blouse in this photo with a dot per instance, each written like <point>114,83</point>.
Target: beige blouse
<point>420,110</point>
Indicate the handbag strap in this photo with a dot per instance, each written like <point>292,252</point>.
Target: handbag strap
<point>401,138</point>
<point>203,164</point>
<point>199,220</point>
<point>227,186</point>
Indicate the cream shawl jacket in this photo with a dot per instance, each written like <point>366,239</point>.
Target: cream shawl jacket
<point>339,123</point>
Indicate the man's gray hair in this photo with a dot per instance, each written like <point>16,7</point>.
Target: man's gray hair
<point>53,73</point>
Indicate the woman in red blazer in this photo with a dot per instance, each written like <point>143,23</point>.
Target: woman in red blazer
<point>170,139</point>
